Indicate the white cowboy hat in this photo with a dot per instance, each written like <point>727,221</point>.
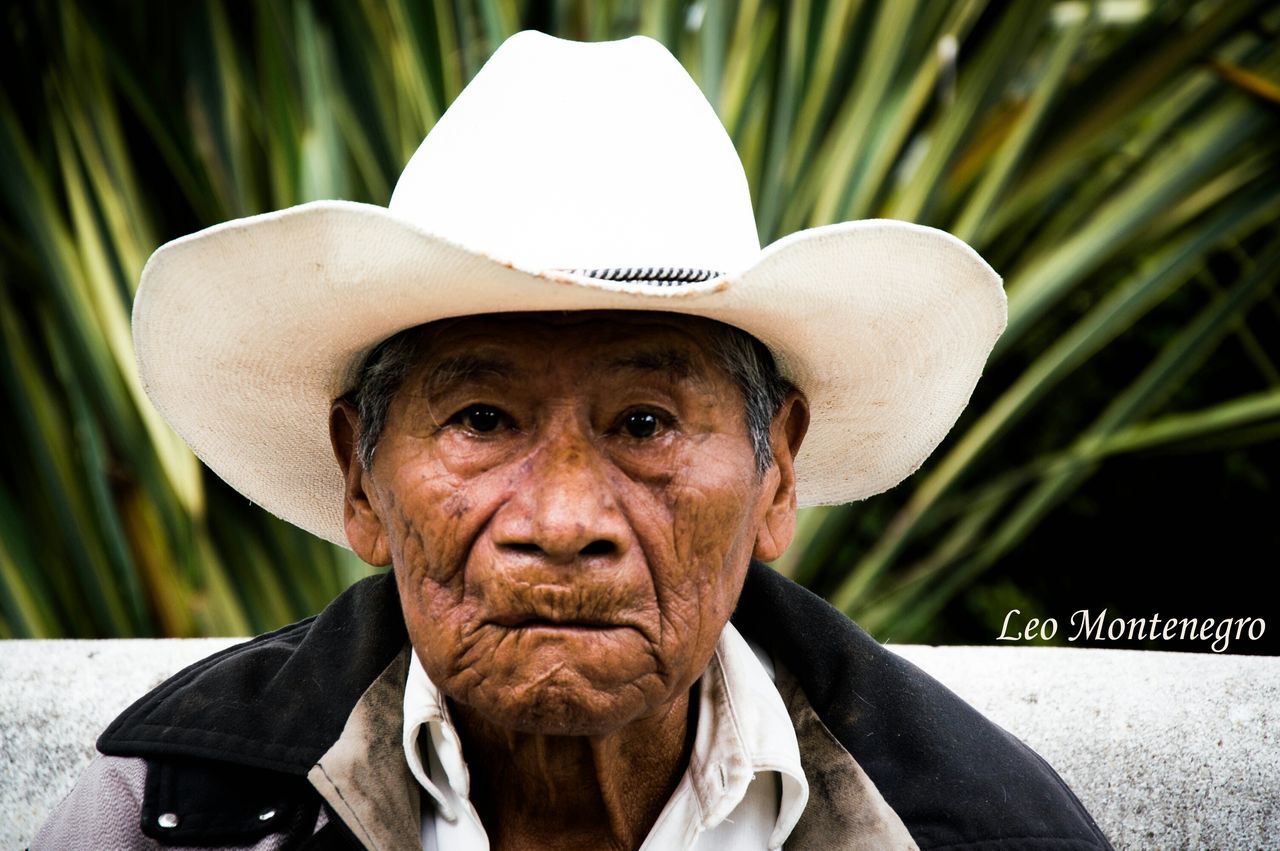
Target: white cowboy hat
<point>566,176</point>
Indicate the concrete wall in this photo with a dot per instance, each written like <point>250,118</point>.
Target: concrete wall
<point>1167,750</point>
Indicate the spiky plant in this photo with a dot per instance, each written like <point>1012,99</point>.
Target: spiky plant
<point>1117,162</point>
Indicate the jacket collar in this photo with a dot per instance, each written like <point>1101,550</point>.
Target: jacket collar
<point>277,702</point>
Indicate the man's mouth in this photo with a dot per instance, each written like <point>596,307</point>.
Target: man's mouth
<point>535,622</point>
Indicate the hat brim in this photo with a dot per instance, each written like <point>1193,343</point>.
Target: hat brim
<point>247,331</point>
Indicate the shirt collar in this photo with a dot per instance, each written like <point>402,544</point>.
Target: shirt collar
<point>425,711</point>
<point>743,729</point>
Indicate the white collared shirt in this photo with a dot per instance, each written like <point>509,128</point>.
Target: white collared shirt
<point>744,787</point>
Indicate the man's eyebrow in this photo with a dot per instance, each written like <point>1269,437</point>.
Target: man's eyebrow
<point>448,372</point>
<point>671,361</point>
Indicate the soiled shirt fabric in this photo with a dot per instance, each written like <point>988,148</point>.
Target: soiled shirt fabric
<point>744,787</point>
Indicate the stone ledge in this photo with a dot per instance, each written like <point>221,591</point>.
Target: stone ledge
<point>1167,750</point>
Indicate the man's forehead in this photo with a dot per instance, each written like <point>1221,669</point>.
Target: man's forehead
<point>618,339</point>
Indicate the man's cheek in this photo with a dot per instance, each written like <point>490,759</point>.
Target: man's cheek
<point>426,542</point>
<point>706,524</point>
<point>709,566</point>
<point>455,649</point>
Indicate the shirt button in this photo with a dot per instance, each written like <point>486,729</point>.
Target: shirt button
<point>167,820</point>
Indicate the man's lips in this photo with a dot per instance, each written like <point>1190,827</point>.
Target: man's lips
<point>540,622</point>
<point>531,602</point>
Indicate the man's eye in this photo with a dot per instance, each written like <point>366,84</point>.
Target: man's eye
<point>482,419</point>
<point>641,424</point>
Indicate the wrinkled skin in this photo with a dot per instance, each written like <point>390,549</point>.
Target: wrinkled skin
<point>570,502</point>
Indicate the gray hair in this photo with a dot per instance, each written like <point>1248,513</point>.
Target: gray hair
<point>746,360</point>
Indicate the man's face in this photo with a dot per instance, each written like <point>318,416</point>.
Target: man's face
<point>570,503</point>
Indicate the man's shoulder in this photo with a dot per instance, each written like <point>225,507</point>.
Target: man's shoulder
<point>955,778</point>
<point>219,753</point>
<point>276,702</point>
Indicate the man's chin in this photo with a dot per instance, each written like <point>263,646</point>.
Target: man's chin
<point>557,710</point>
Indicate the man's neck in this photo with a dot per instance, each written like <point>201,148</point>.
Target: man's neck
<point>539,791</point>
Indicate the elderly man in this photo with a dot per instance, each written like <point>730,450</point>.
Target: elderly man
<point>574,406</point>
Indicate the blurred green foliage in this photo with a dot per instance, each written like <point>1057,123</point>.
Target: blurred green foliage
<point>1116,161</point>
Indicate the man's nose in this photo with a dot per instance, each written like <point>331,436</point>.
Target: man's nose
<point>564,506</point>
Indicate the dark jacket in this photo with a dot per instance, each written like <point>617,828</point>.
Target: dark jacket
<point>235,743</point>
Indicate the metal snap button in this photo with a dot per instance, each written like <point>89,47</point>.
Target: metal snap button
<point>167,820</point>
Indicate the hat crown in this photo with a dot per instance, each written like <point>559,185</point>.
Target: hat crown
<point>572,155</point>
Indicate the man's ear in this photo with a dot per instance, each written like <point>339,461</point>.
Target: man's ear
<point>364,527</point>
<point>786,433</point>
